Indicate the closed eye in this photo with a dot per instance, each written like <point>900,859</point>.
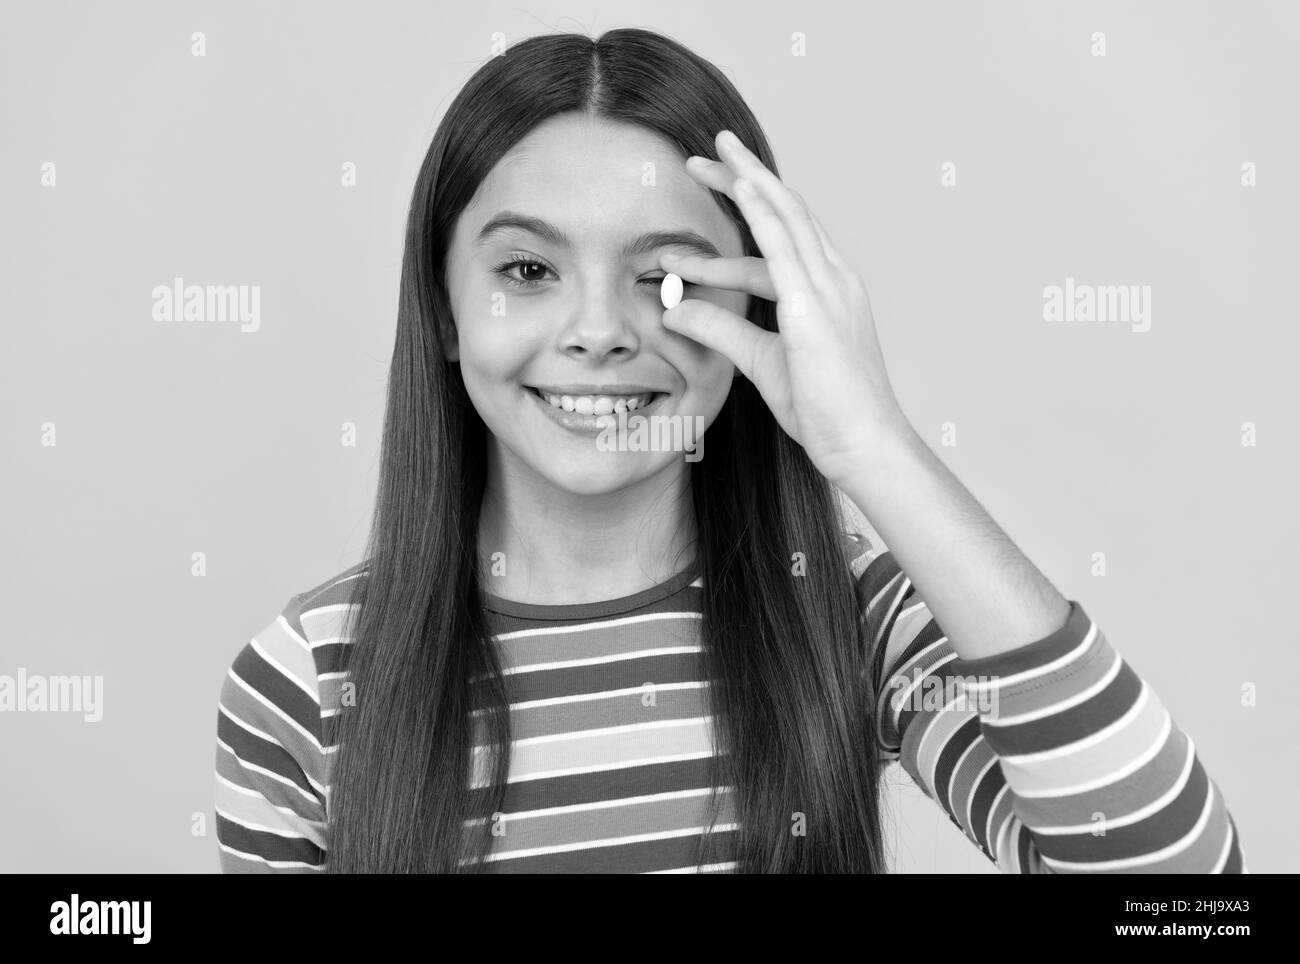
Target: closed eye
<point>660,279</point>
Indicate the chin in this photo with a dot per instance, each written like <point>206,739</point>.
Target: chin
<point>602,473</point>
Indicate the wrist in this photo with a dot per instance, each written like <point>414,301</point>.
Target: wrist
<point>885,445</point>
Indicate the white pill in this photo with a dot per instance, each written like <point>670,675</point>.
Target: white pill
<point>670,292</point>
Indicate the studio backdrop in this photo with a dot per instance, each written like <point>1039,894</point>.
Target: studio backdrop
<point>171,481</point>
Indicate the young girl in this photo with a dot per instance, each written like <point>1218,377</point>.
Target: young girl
<point>568,652</point>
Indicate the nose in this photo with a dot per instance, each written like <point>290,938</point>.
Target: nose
<point>602,321</point>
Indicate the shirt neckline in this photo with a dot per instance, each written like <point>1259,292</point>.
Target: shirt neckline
<point>588,610</point>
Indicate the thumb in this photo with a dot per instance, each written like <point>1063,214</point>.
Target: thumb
<point>721,330</point>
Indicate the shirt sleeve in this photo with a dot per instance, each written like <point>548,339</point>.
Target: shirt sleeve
<point>270,768</point>
<point>1054,757</point>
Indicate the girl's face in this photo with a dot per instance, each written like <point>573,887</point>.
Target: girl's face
<point>553,274</point>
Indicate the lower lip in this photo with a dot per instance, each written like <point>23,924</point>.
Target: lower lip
<point>581,424</point>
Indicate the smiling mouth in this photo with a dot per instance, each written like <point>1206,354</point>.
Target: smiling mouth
<point>597,404</point>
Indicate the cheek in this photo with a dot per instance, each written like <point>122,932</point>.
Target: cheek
<point>708,376</point>
<point>490,363</point>
<point>491,348</point>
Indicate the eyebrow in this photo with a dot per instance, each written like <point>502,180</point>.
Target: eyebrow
<point>641,244</point>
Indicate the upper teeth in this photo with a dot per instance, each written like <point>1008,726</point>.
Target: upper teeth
<point>598,404</point>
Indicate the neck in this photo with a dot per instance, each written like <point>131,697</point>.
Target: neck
<point>542,545</point>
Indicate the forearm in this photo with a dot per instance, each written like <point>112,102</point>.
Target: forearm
<point>982,590</point>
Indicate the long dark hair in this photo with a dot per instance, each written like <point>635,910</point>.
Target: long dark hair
<point>792,709</point>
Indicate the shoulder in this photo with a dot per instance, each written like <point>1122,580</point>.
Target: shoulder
<point>318,615</point>
<point>274,682</point>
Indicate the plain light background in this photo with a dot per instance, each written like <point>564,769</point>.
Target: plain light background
<point>174,439</point>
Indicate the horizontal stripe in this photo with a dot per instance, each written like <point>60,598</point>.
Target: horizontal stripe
<point>632,856</point>
<point>552,831</point>
<point>611,785</point>
<point>594,640</point>
<point>1074,766</point>
<point>586,712</point>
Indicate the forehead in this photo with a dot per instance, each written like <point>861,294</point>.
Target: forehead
<point>599,181</point>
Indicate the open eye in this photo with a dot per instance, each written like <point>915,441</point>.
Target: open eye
<point>525,265</point>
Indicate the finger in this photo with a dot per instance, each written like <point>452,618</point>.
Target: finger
<point>832,255</point>
<point>791,210</point>
<point>711,173</point>
<point>746,274</point>
<point>719,177</point>
<point>722,178</point>
<point>793,287</point>
<point>723,331</point>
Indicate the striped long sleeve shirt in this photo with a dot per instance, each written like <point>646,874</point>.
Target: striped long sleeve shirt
<point>1054,757</point>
